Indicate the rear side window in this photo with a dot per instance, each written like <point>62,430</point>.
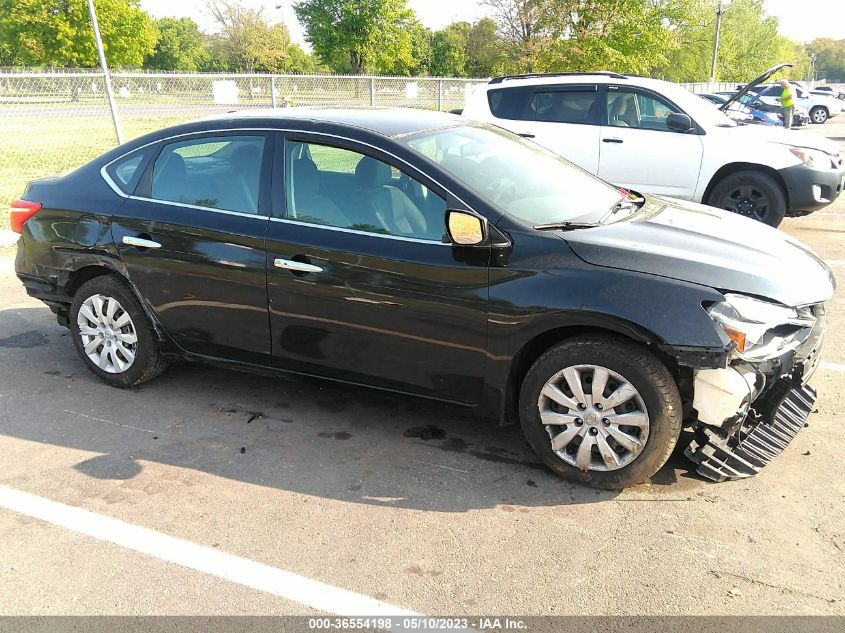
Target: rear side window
<point>222,172</point>
<point>571,105</point>
<point>126,171</point>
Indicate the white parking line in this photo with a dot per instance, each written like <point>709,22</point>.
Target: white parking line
<point>832,366</point>
<point>243,571</point>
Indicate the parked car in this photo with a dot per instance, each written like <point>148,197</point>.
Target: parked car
<point>743,113</point>
<point>820,107</point>
<point>828,91</point>
<point>800,116</point>
<point>656,137</point>
<point>421,253</point>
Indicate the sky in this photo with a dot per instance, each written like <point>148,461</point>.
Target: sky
<point>820,18</point>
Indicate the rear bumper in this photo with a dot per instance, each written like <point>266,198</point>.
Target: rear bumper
<point>812,189</point>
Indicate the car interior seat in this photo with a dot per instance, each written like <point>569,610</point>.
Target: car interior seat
<point>308,204</point>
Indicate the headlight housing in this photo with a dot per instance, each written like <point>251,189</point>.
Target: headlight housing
<point>760,329</point>
<point>811,157</point>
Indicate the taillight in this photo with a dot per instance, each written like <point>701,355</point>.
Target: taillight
<point>22,210</point>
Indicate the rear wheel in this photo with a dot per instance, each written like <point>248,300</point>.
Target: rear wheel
<point>750,193</point>
<point>112,334</point>
<point>601,411</point>
<point>819,115</point>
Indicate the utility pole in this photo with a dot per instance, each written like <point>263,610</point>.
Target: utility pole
<point>106,77</point>
<point>284,43</point>
<point>719,12</point>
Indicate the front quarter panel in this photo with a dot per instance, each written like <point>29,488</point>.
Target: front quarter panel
<point>544,286</point>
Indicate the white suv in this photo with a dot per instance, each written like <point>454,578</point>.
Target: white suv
<point>656,137</point>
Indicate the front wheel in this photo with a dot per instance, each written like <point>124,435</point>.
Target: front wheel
<point>819,115</point>
<point>601,411</point>
<point>112,334</point>
<point>750,193</point>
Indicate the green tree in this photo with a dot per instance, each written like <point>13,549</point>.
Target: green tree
<point>748,43</point>
<point>484,51</point>
<point>831,57</point>
<point>59,33</point>
<point>449,50</point>
<point>359,35</point>
<point>249,39</point>
<point>180,46</point>
<point>629,36</point>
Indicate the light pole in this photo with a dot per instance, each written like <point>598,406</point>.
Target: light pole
<point>106,76</point>
<point>719,12</point>
<point>284,43</point>
<point>813,69</point>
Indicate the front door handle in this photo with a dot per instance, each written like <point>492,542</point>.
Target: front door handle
<point>612,139</point>
<point>527,135</point>
<point>140,242</point>
<point>302,267</point>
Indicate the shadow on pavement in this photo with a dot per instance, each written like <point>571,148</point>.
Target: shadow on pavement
<point>302,435</point>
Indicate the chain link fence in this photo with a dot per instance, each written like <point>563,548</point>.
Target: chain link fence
<point>53,122</point>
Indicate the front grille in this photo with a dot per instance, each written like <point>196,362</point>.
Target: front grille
<point>756,443</point>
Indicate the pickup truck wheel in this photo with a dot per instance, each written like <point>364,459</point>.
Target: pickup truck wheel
<point>750,193</point>
<point>818,115</point>
<point>113,335</point>
<point>601,411</point>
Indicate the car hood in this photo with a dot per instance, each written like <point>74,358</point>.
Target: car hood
<point>751,84</point>
<point>781,136</point>
<point>703,245</point>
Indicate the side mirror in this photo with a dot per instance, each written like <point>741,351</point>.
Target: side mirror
<point>679,122</point>
<point>466,229</point>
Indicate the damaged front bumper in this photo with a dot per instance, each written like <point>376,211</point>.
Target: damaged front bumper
<point>748,413</point>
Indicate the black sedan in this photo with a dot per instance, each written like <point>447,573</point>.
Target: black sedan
<point>415,252</point>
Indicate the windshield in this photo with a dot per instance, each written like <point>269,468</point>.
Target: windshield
<point>517,177</point>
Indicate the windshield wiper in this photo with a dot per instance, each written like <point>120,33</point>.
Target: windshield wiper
<point>566,226</point>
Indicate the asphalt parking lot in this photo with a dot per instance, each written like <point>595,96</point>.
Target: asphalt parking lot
<point>403,502</point>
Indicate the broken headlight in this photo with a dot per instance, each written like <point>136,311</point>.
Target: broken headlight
<point>761,329</point>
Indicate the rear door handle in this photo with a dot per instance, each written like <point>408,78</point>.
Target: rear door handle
<point>140,242</point>
<point>302,267</point>
<point>612,140</point>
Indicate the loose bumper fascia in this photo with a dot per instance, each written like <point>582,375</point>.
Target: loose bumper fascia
<point>811,189</point>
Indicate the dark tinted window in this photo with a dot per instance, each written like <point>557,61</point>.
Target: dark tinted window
<point>220,172</point>
<point>554,106</point>
<point>337,187</point>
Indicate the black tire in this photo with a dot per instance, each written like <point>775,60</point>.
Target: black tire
<point>752,194</point>
<point>642,370</point>
<point>148,360</point>
<point>819,115</point>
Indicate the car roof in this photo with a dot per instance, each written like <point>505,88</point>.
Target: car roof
<point>554,79</point>
<point>386,121</point>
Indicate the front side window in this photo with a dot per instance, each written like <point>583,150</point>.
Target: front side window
<point>332,186</point>
<point>626,108</point>
<point>221,172</point>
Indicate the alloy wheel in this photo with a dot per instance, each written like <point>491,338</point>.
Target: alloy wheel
<point>749,201</point>
<point>108,334</point>
<point>595,418</point>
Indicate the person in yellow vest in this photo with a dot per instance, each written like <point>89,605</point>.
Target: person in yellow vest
<point>787,103</point>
